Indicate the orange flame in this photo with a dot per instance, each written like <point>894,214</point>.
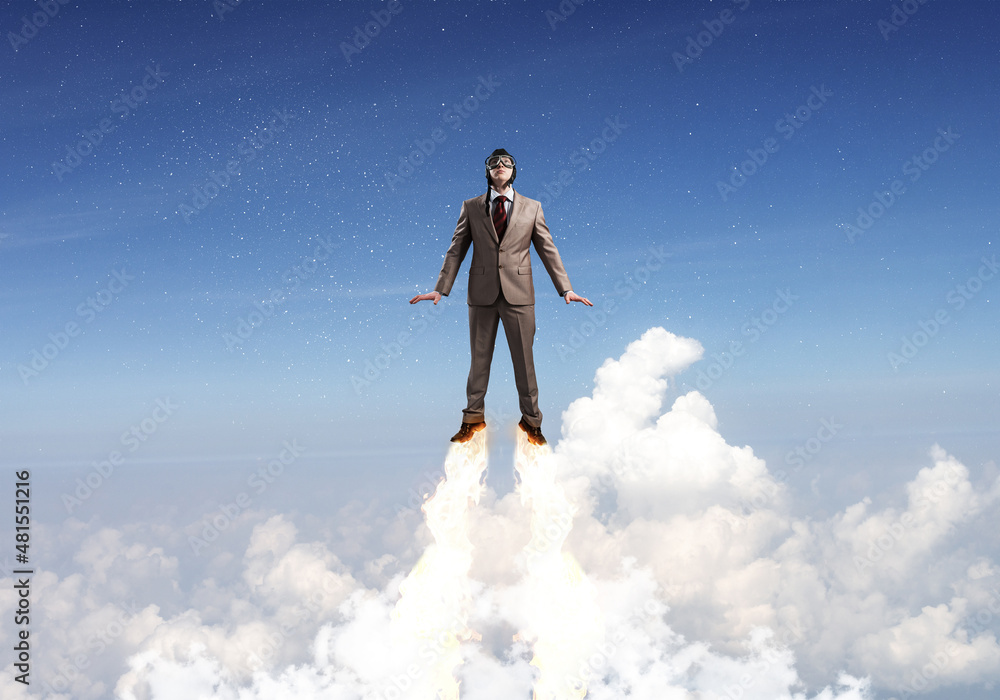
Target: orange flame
<point>435,598</point>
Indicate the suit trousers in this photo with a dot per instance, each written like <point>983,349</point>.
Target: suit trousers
<point>519,327</point>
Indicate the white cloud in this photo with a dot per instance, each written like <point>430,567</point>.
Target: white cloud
<point>698,577</point>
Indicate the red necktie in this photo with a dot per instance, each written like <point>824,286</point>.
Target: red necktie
<point>500,217</point>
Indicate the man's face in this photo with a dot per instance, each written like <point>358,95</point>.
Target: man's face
<point>501,169</point>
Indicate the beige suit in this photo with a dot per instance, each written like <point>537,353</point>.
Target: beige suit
<point>501,289</point>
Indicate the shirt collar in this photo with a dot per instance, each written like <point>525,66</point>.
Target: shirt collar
<point>508,193</point>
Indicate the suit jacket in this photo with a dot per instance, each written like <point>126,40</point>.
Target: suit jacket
<point>507,265</point>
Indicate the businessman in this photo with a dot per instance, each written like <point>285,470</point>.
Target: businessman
<point>501,226</point>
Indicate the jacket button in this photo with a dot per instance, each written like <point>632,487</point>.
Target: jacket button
<point>500,267</point>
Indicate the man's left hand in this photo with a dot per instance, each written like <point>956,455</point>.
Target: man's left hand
<point>573,296</point>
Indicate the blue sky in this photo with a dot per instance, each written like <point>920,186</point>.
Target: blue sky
<point>548,92</point>
<point>122,269</point>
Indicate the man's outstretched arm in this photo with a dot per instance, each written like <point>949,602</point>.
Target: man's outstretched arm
<point>549,255</point>
<point>460,242</point>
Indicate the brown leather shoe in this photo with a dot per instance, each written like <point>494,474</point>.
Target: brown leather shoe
<point>467,430</point>
<point>535,436</point>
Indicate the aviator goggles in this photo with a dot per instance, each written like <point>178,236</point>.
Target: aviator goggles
<point>494,162</point>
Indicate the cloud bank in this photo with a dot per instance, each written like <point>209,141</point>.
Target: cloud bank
<point>642,556</point>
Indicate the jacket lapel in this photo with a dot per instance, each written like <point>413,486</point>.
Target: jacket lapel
<point>515,208</point>
<point>483,210</point>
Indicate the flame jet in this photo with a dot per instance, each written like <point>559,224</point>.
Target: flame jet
<point>435,598</point>
<point>565,623</point>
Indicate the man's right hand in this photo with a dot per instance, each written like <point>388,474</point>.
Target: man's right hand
<point>433,296</point>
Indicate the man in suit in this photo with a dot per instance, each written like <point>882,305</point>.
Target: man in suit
<point>500,226</point>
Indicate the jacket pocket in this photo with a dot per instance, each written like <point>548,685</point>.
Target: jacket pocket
<point>526,270</point>
<point>477,270</point>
